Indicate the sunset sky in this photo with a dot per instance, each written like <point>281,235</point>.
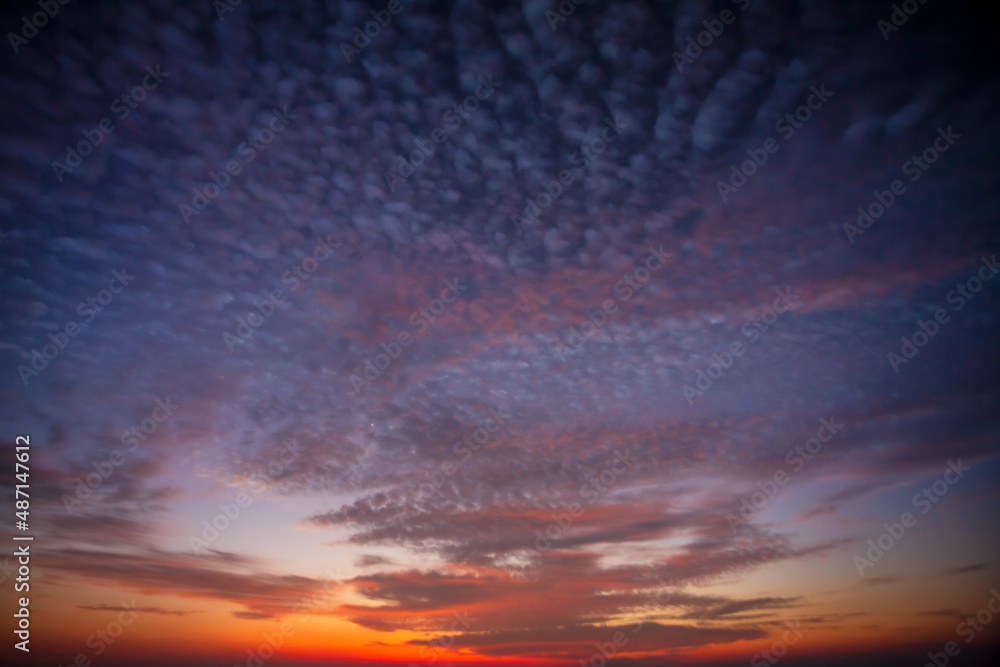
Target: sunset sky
<point>516,333</point>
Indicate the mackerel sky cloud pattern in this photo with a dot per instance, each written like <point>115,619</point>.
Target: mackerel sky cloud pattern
<point>488,382</point>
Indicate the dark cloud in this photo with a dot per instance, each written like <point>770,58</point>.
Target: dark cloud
<point>139,610</point>
<point>210,577</point>
<point>552,642</point>
<point>948,613</point>
<point>883,581</point>
<point>738,608</point>
<point>371,560</point>
<point>252,615</point>
<point>967,569</point>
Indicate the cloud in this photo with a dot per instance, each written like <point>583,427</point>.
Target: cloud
<point>252,615</point>
<point>357,481</point>
<point>883,581</point>
<point>738,608</point>
<point>948,613</point>
<point>559,641</point>
<point>140,610</point>
<point>371,560</point>
<point>155,572</point>
<point>966,569</point>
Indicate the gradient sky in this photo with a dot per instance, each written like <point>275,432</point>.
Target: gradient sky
<point>362,502</point>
